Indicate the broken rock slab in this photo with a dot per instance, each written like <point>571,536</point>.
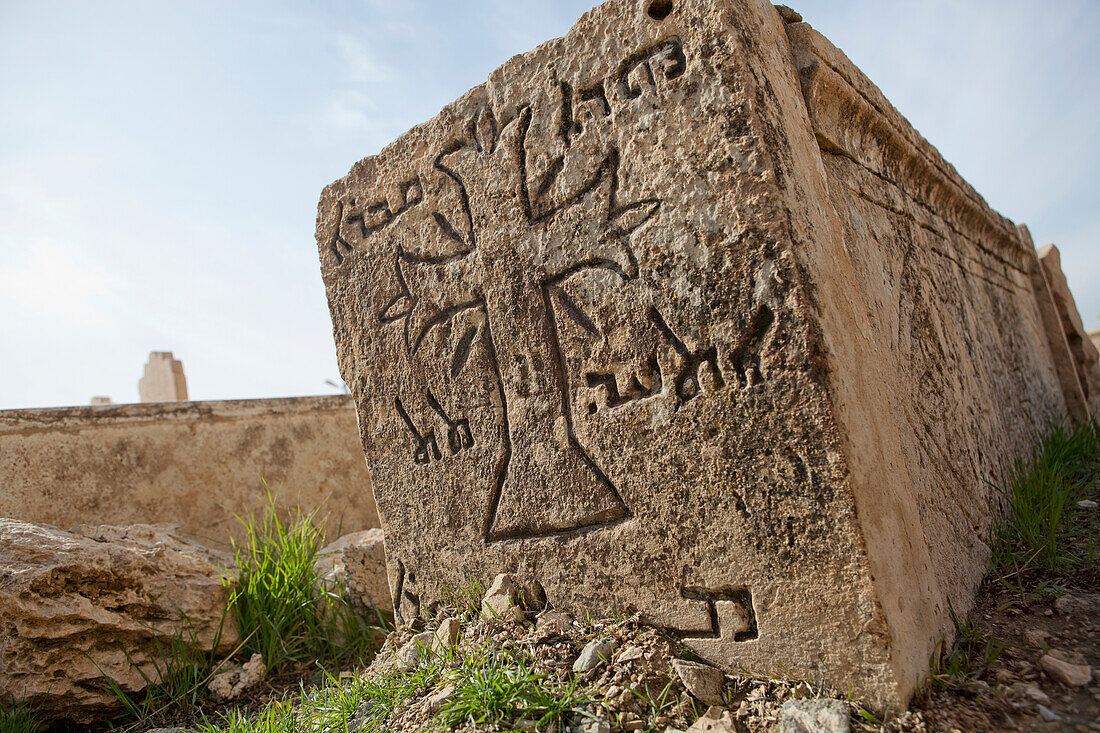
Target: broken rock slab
<point>358,562</point>
<point>1068,673</point>
<point>677,314</point>
<point>97,601</point>
<point>819,715</point>
<point>703,681</point>
<point>714,720</point>
<point>1086,358</point>
<point>234,682</point>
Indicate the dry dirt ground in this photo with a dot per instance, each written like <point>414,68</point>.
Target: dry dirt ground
<point>1028,625</point>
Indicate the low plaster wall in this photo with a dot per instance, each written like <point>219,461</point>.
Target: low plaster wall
<point>194,464</point>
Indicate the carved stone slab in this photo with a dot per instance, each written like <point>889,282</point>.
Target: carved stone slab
<point>609,329</point>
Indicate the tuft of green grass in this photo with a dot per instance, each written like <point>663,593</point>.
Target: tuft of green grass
<point>338,704</point>
<point>182,667</point>
<point>20,718</point>
<point>284,611</point>
<point>502,689</point>
<point>1044,529</point>
<point>974,651</point>
<point>657,706</point>
<point>466,597</point>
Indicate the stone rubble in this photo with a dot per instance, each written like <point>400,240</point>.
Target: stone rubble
<point>815,716</point>
<point>358,562</point>
<point>1069,674</point>
<point>500,598</point>
<point>714,720</point>
<point>703,681</point>
<point>232,683</point>
<point>446,636</point>
<point>634,674</point>
<point>594,653</point>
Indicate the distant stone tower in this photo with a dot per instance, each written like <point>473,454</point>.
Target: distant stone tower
<point>163,380</point>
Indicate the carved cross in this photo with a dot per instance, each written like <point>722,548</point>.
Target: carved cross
<point>519,248</point>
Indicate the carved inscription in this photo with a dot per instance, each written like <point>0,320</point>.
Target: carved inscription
<point>425,445</point>
<point>485,195</point>
<point>640,71</point>
<point>730,611</point>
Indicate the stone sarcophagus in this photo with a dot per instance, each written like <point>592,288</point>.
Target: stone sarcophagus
<point>676,314</point>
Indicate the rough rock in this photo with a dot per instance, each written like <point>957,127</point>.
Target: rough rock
<point>819,715</point>
<point>1072,675</point>
<point>500,598</point>
<point>1087,504</point>
<point>1072,604</point>
<point>446,635</point>
<point>1086,358</point>
<point>554,623</point>
<point>95,601</point>
<point>234,682</point>
<point>788,15</point>
<point>677,313</point>
<point>415,650</point>
<point>593,654</point>
<point>438,699</point>
<point>359,561</point>
<point>594,726</point>
<point>714,720</point>
<point>706,683</point>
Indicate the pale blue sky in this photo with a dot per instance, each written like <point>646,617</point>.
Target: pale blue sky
<point>160,162</point>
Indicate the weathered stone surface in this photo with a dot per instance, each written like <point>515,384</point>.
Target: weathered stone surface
<point>1086,359</point>
<point>446,635</point>
<point>1094,336</point>
<point>714,720</point>
<point>358,562</point>
<point>594,653</point>
<point>75,606</point>
<point>197,465</point>
<point>677,314</point>
<point>703,681</point>
<point>163,380</point>
<point>365,571</point>
<point>234,682</point>
<point>1073,675</point>
<point>500,598</point>
<point>1065,362</point>
<point>815,716</point>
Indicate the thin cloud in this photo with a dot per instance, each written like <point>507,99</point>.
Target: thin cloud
<point>52,285</point>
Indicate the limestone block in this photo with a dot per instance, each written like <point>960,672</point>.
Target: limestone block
<point>75,606</point>
<point>163,380</point>
<point>237,680</point>
<point>1065,362</point>
<point>364,561</point>
<point>676,314</point>
<point>1094,336</point>
<point>701,680</point>
<point>1086,359</point>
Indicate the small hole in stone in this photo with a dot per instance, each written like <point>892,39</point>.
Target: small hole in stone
<point>659,9</point>
<point>591,408</point>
